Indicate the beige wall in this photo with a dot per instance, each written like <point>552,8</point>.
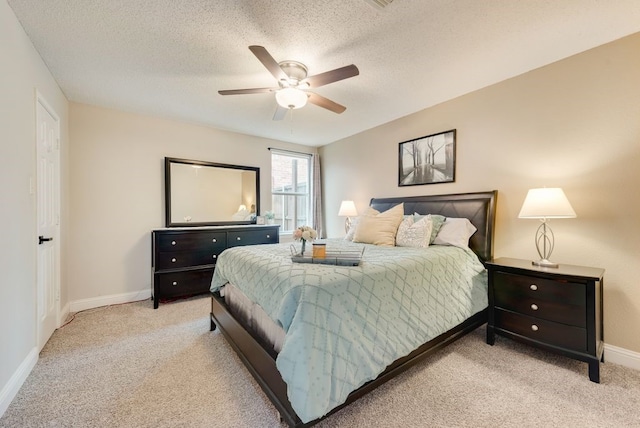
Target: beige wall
<point>574,124</point>
<point>22,72</point>
<point>117,190</point>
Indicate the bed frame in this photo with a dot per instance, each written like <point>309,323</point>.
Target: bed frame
<point>479,208</point>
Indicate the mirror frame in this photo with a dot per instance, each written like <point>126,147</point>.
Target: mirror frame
<point>167,191</point>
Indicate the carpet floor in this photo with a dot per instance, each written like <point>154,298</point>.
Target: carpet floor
<point>132,366</point>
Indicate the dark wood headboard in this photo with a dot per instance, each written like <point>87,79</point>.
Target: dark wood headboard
<point>479,208</point>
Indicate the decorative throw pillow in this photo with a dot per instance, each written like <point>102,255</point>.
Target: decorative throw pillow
<point>456,232</point>
<point>436,223</point>
<point>380,229</point>
<point>416,234</point>
<point>354,223</point>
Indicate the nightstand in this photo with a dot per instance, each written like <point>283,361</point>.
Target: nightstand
<point>556,309</point>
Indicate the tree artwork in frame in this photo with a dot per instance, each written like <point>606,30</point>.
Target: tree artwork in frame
<point>428,160</point>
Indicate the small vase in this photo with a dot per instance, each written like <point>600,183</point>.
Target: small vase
<point>304,242</point>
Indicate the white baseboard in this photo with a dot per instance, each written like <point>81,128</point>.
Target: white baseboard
<point>12,387</point>
<point>624,357</point>
<point>114,299</point>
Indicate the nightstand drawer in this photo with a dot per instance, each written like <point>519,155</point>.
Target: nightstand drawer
<point>525,286</point>
<point>540,308</point>
<point>543,331</point>
<point>185,283</point>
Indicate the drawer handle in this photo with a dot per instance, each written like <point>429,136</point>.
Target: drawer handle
<point>215,257</point>
<point>214,240</point>
<point>173,242</point>
<point>175,283</point>
<point>534,327</point>
<point>534,306</point>
<point>173,260</point>
<point>533,287</point>
<point>268,236</point>
<point>238,238</point>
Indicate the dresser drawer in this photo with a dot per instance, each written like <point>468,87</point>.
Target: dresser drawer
<point>180,259</point>
<point>532,305</point>
<point>524,286</point>
<point>253,237</point>
<point>561,335</point>
<point>189,241</point>
<point>184,283</point>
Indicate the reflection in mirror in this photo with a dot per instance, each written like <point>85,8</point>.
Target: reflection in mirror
<point>205,193</point>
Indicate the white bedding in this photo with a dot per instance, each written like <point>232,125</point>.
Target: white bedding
<point>253,316</point>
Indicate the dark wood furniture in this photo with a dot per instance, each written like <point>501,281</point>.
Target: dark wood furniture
<point>261,363</point>
<point>557,309</point>
<point>183,259</point>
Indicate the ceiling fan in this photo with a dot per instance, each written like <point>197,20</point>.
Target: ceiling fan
<point>293,87</point>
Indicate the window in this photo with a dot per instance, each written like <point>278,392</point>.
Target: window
<point>291,190</point>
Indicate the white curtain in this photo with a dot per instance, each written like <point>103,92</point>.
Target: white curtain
<point>317,197</point>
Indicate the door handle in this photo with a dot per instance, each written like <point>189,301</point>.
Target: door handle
<point>42,239</point>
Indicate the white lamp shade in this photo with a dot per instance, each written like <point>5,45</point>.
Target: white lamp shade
<point>546,203</point>
<point>347,209</point>
<point>291,98</point>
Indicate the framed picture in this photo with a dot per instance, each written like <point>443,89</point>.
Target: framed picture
<point>259,219</point>
<point>428,160</point>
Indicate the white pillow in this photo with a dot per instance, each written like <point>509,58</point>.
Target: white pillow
<point>416,234</point>
<point>240,215</point>
<point>456,232</point>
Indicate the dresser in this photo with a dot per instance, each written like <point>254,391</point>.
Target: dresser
<point>556,309</point>
<point>183,259</point>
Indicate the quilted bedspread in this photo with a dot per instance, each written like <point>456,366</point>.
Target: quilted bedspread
<point>345,324</point>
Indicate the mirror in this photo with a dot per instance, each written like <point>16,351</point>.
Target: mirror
<point>201,193</point>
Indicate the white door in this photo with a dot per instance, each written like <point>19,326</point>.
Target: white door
<point>48,203</point>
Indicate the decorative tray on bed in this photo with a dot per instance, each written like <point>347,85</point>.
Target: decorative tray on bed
<point>339,258</point>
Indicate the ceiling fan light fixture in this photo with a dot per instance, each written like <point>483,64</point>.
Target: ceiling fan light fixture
<point>291,98</point>
<point>293,83</point>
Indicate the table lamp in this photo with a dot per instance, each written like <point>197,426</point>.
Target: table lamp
<point>347,209</point>
<point>545,204</point>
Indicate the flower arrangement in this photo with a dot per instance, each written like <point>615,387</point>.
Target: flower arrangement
<point>304,234</point>
<point>269,215</point>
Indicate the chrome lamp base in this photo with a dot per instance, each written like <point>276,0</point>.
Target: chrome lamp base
<point>545,263</point>
<point>347,225</point>
<point>544,245</point>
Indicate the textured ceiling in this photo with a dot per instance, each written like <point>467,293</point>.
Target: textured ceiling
<point>169,58</point>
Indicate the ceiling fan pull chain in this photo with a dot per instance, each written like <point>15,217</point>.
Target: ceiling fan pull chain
<point>291,119</point>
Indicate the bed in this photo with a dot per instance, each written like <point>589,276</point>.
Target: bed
<point>257,351</point>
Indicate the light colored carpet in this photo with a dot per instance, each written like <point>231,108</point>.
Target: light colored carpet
<point>132,366</point>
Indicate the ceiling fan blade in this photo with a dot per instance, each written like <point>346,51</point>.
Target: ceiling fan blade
<point>280,113</point>
<point>332,76</point>
<point>323,102</point>
<point>271,64</point>
<point>247,91</point>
